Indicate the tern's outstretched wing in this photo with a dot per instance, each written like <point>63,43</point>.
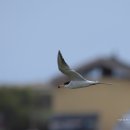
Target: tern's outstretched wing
<point>64,68</point>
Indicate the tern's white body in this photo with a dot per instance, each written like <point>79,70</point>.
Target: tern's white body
<point>79,84</point>
<point>77,80</point>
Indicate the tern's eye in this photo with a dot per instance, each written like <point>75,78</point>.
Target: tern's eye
<point>66,83</point>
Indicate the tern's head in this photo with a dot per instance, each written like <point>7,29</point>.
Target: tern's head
<point>64,85</point>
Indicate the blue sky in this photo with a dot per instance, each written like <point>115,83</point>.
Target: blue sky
<point>32,31</point>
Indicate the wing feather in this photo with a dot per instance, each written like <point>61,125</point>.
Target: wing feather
<point>64,68</point>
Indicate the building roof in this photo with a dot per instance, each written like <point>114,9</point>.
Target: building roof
<point>107,67</point>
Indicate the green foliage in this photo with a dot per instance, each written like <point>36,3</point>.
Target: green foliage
<point>15,104</point>
<point>18,107</point>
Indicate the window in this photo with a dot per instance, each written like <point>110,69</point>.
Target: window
<point>74,122</point>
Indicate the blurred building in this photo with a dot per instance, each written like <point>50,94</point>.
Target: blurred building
<point>109,102</point>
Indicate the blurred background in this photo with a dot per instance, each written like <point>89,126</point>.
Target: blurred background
<point>93,37</point>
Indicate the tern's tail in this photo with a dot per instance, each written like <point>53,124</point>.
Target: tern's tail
<point>105,83</point>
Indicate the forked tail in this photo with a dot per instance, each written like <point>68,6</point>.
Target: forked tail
<point>105,83</point>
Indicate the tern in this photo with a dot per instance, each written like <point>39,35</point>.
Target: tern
<point>76,79</point>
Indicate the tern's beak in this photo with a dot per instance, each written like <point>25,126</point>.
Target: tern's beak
<point>60,86</point>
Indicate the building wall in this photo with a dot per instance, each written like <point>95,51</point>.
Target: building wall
<point>110,101</point>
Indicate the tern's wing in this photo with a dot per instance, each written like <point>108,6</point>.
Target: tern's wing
<point>64,68</point>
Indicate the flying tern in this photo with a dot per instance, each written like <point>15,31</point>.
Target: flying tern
<point>76,79</point>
